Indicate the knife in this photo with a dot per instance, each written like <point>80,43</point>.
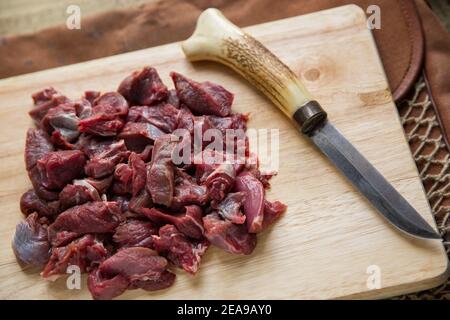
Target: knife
<point>217,39</point>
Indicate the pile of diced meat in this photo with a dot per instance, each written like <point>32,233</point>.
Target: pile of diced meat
<point>108,197</point>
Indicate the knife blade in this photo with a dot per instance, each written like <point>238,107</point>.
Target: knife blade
<point>217,39</point>
<point>370,182</point>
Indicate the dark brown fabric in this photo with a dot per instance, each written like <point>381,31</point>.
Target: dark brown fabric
<point>437,66</point>
<point>172,20</point>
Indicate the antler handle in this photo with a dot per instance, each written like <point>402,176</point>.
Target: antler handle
<point>216,38</point>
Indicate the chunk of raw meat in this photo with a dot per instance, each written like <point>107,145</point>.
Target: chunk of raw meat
<point>30,242</point>
<point>233,238</point>
<point>220,181</point>
<point>130,178</point>
<point>83,108</point>
<point>160,175</point>
<point>91,95</point>
<point>36,180</point>
<point>187,191</point>
<point>101,123</point>
<point>91,217</point>
<point>139,201</point>
<point>122,202</point>
<point>186,119</point>
<point>138,135</point>
<point>164,116</point>
<point>76,194</point>
<point>254,200</point>
<point>212,160</point>
<point>107,113</point>
<point>166,280</point>
<point>182,252</point>
<point>172,98</point>
<point>104,158</point>
<point>63,119</point>
<point>143,87</point>
<point>272,211</point>
<point>122,179</point>
<point>114,101</point>
<point>203,98</point>
<point>44,95</point>
<point>60,167</point>
<point>189,222</point>
<point>234,121</point>
<point>85,252</point>
<point>135,233</point>
<point>37,145</point>
<point>229,208</point>
<point>30,202</point>
<point>45,100</point>
<point>101,185</point>
<point>139,173</point>
<point>135,267</point>
<point>105,289</point>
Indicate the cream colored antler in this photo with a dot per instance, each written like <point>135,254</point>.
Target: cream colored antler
<point>216,38</point>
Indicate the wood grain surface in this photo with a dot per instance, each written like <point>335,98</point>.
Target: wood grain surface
<point>330,236</point>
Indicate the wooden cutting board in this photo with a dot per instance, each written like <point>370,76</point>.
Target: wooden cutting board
<point>330,240</point>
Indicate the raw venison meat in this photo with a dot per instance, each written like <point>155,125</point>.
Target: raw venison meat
<point>58,168</point>
<point>106,288</point>
<point>203,98</point>
<point>187,191</point>
<point>114,101</point>
<point>122,184</point>
<point>42,192</point>
<point>101,185</point>
<point>76,194</point>
<point>30,242</point>
<point>85,252</point>
<point>122,179</point>
<point>173,99</point>
<point>229,208</point>
<point>44,101</point>
<point>101,123</point>
<point>220,181</point>
<point>64,120</point>
<point>160,176</point>
<point>107,115</point>
<point>139,201</point>
<point>233,238</point>
<point>137,266</point>
<point>143,87</point>
<point>30,202</point>
<point>130,178</point>
<point>166,280</point>
<point>138,135</point>
<point>189,223</point>
<point>135,233</point>
<point>254,200</point>
<point>272,211</point>
<point>180,251</point>
<point>91,217</point>
<point>163,116</point>
<point>103,155</point>
<point>37,145</point>
<point>91,95</point>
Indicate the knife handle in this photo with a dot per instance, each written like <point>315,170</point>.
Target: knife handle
<point>215,38</point>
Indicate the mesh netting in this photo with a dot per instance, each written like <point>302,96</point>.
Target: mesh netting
<point>432,159</point>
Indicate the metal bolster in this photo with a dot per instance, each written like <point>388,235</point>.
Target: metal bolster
<point>309,116</point>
